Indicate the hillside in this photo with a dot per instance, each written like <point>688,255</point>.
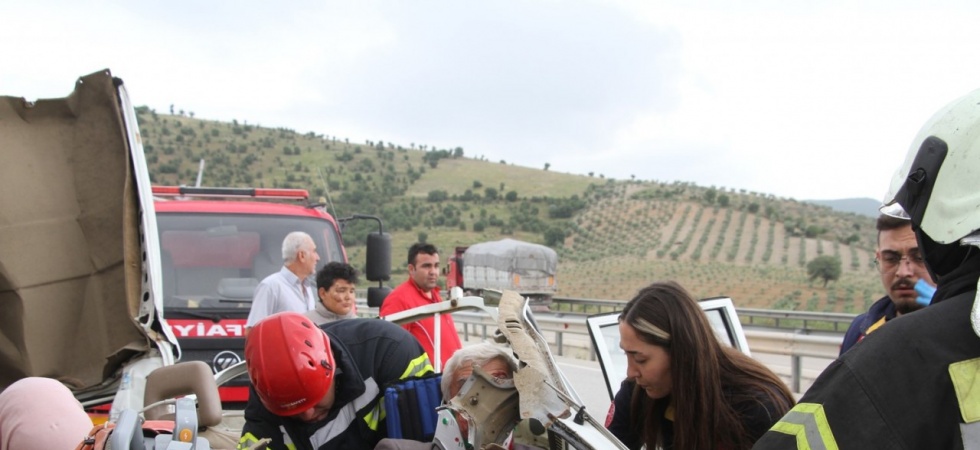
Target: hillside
<point>613,236</point>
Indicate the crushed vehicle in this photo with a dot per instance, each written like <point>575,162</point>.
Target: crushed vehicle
<point>79,273</point>
<point>79,279</point>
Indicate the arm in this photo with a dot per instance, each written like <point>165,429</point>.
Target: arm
<point>619,423</point>
<point>403,358</point>
<point>259,424</point>
<point>836,412</point>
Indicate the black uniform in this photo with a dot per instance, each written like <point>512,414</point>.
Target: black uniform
<point>914,384</point>
<point>370,354</point>
<point>756,412</point>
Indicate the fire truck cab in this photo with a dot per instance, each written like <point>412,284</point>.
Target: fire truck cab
<point>217,244</point>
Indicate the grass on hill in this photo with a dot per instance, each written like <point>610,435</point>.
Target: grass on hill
<point>613,236</point>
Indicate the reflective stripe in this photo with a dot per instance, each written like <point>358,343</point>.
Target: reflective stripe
<point>418,367</point>
<point>288,441</point>
<point>875,326</point>
<point>346,415</point>
<point>247,440</point>
<point>970,433</point>
<point>376,415</point>
<point>966,383</point>
<point>808,423</point>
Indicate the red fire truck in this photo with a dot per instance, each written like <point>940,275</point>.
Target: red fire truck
<point>218,243</point>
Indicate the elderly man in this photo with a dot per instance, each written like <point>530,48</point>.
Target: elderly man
<point>492,359</point>
<point>287,289</point>
<point>901,265</point>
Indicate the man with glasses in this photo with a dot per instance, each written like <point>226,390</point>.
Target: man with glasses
<point>901,265</point>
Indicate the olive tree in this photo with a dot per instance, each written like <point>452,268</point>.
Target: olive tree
<point>826,267</point>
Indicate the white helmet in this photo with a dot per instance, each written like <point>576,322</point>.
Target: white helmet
<point>938,187</point>
<point>939,183</point>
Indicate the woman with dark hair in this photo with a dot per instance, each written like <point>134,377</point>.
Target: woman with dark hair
<point>685,390</point>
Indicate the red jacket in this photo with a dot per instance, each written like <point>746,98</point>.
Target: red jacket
<point>408,296</point>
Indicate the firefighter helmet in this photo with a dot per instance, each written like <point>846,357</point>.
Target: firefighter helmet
<point>290,363</point>
<point>938,185</point>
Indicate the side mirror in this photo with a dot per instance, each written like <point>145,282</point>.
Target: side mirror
<point>376,296</point>
<point>378,257</point>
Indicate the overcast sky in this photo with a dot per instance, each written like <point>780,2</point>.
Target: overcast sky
<point>802,99</point>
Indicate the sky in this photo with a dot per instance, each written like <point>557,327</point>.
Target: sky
<point>799,99</point>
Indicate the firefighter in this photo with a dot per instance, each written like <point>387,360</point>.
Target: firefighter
<point>322,389</point>
<point>914,384</point>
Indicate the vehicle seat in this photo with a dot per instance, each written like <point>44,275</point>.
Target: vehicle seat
<point>410,408</point>
<point>184,378</point>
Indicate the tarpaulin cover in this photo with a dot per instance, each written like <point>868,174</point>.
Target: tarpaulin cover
<point>70,259</point>
<point>512,256</point>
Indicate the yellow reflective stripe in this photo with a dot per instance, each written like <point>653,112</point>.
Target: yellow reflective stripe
<point>246,441</point>
<point>418,367</point>
<point>875,326</point>
<point>793,430</point>
<point>966,383</point>
<point>808,423</point>
<point>376,415</point>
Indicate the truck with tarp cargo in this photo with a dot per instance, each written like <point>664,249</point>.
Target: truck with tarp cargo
<point>508,264</point>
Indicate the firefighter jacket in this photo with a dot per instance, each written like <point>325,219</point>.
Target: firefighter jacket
<point>914,384</point>
<point>370,354</point>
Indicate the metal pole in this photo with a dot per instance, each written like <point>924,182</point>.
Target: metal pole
<point>437,344</point>
<point>797,372</point>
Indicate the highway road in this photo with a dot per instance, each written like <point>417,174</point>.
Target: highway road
<point>586,376</point>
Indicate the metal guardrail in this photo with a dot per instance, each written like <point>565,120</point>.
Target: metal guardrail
<point>801,336</point>
<point>800,320</point>
<point>775,318</point>
<point>807,321</point>
<point>569,336</point>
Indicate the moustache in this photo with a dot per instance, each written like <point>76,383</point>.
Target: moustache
<point>903,284</point>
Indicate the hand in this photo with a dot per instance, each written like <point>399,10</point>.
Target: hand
<point>262,444</point>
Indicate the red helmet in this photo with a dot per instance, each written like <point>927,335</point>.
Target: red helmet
<point>289,363</point>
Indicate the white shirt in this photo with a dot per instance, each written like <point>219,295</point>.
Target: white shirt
<point>281,291</point>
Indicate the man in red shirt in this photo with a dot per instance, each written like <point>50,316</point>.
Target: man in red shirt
<point>422,288</point>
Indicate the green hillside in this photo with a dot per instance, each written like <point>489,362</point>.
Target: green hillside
<point>613,236</point>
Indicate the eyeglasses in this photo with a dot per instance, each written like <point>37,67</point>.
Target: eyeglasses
<point>890,261</point>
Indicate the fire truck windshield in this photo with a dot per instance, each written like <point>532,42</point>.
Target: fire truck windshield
<point>212,262</point>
